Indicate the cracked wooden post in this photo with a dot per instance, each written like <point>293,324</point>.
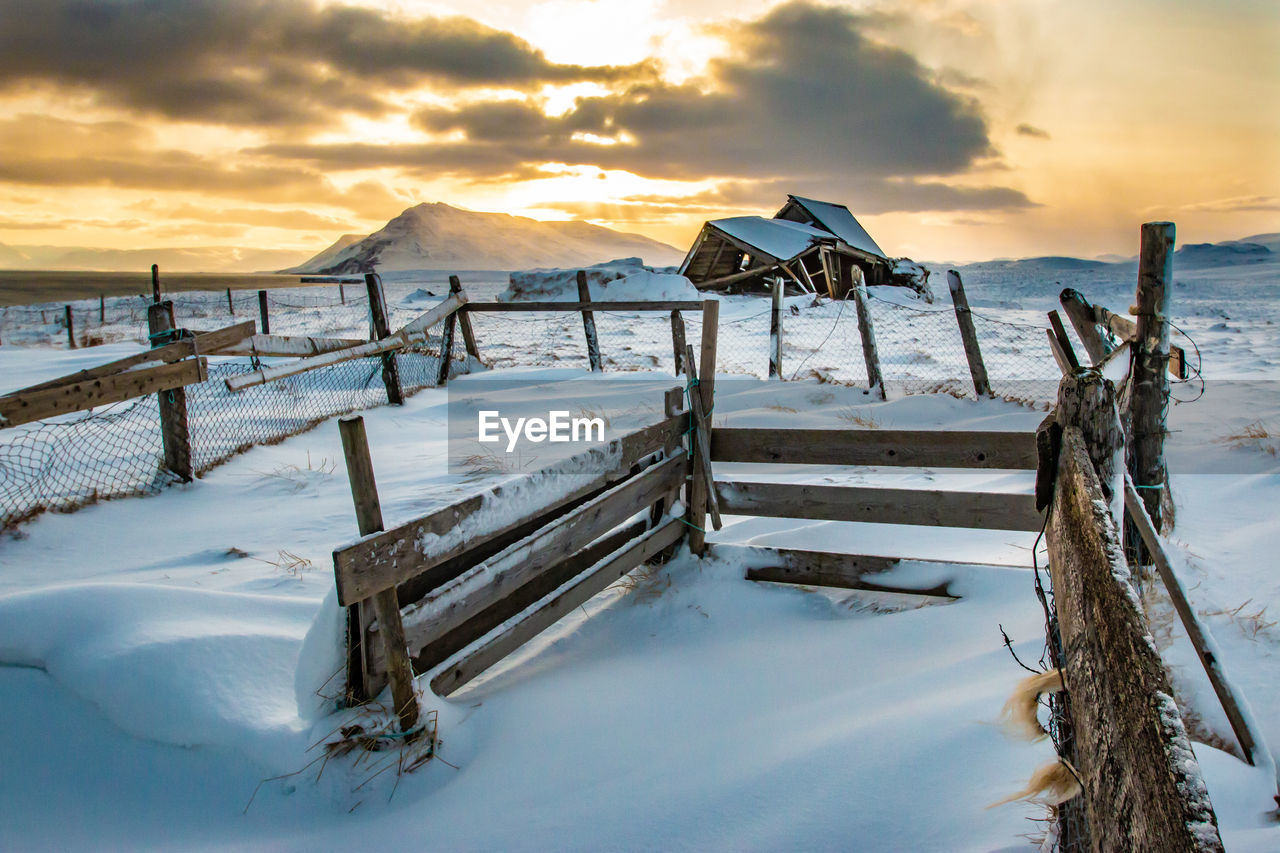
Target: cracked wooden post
<point>381,329</point>
<point>231,306</point>
<point>1142,786</point>
<point>867,331</point>
<point>1149,398</point>
<point>775,332</point>
<point>589,324</point>
<point>174,430</point>
<point>968,335</point>
<point>386,604</point>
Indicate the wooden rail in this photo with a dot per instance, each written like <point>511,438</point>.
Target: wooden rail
<point>911,448</point>
<point>581,306</point>
<point>29,406</point>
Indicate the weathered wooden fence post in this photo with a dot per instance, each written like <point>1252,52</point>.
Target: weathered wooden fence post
<point>1149,397</point>
<point>464,322</point>
<point>1063,352</point>
<point>678,340</point>
<point>386,604</point>
<point>264,319</point>
<point>231,306</point>
<point>775,331</point>
<point>867,331</point>
<point>155,282</point>
<point>1085,321</point>
<point>342,293</point>
<point>698,492</point>
<point>71,327</point>
<point>174,431</point>
<point>968,334</point>
<point>381,329</point>
<point>446,348</point>
<point>1142,786</point>
<point>102,308</point>
<point>589,325</point>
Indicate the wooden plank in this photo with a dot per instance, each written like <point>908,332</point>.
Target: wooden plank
<point>553,608</point>
<point>819,568</point>
<point>1142,788</point>
<point>364,493</point>
<point>1064,350</point>
<point>1059,356</point>
<point>928,507</point>
<point>37,405</point>
<point>968,335</point>
<point>701,442</point>
<point>866,330</point>
<point>899,447</point>
<point>667,305</point>
<point>464,323</point>
<point>397,555</point>
<point>267,346</point>
<point>589,325</point>
<point>410,335</point>
<point>381,330</point>
<point>1252,743</point>
<point>166,354</point>
<point>467,595</point>
<point>699,494</point>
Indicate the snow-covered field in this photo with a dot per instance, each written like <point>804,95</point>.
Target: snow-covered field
<point>161,657</point>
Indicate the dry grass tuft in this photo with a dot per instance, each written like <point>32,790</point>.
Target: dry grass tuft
<point>1254,436</point>
<point>298,478</point>
<point>858,418</point>
<point>289,563</point>
<point>646,583</point>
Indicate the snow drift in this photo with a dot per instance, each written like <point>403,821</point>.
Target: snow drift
<point>622,280</point>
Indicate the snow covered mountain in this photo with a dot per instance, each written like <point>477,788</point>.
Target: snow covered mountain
<point>441,237</point>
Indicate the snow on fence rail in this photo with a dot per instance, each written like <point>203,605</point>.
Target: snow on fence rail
<point>121,450</point>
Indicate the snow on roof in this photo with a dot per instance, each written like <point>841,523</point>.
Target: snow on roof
<point>778,237</point>
<point>837,219</point>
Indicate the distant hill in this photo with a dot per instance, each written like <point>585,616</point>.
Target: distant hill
<point>441,237</point>
<point>227,259</point>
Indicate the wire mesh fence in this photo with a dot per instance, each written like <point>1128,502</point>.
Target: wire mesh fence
<point>118,451</point>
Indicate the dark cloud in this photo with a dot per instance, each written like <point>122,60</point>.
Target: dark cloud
<point>1032,131</point>
<point>251,62</point>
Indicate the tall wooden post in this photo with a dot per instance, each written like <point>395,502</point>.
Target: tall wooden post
<point>102,308</point>
<point>264,320</point>
<point>867,330</point>
<point>464,322</point>
<point>698,496</point>
<point>446,348</point>
<point>155,282</point>
<point>174,431</point>
<point>775,332</point>
<point>968,334</point>
<point>381,329</point>
<point>342,293</point>
<point>231,306</point>
<point>1149,397</point>
<point>589,325</point>
<point>71,327</point>
<point>364,492</point>
<point>678,341</point>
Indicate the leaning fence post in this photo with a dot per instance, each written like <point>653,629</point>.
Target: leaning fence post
<point>381,329</point>
<point>968,334</point>
<point>677,340</point>
<point>264,320</point>
<point>1149,396</point>
<point>867,330</point>
<point>231,306</point>
<point>775,332</point>
<point>589,325</point>
<point>71,327</point>
<point>386,604</point>
<point>464,322</point>
<point>174,431</point>
<point>446,348</point>
<point>1083,318</point>
<point>698,496</point>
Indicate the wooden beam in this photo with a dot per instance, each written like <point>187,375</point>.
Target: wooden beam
<point>1059,356</point>
<point>910,448</point>
<point>364,493</point>
<point>556,606</point>
<point>733,278</point>
<point>31,406</point>
<point>657,305</point>
<point>589,325</point>
<point>204,343</point>
<point>1065,350</point>
<point>410,335</point>
<point>448,607</point>
<point>408,550</point>
<point>1082,317</point>
<point>268,346</point>
<point>928,507</point>
<point>819,568</point>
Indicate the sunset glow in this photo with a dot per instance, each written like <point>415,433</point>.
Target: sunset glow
<point>954,129</point>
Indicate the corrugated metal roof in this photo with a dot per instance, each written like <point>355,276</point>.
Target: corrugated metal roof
<point>777,237</point>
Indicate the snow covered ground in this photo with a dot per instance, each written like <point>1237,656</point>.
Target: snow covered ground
<point>161,657</point>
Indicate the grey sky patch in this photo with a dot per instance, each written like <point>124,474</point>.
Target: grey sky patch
<point>1032,131</point>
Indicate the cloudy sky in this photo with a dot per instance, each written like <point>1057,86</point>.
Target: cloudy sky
<point>955,129</point>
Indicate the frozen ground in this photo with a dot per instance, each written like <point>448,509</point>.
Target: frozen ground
<point>153,676</point>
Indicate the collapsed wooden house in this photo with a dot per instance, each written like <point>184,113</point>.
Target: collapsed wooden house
<point>811,245</point>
